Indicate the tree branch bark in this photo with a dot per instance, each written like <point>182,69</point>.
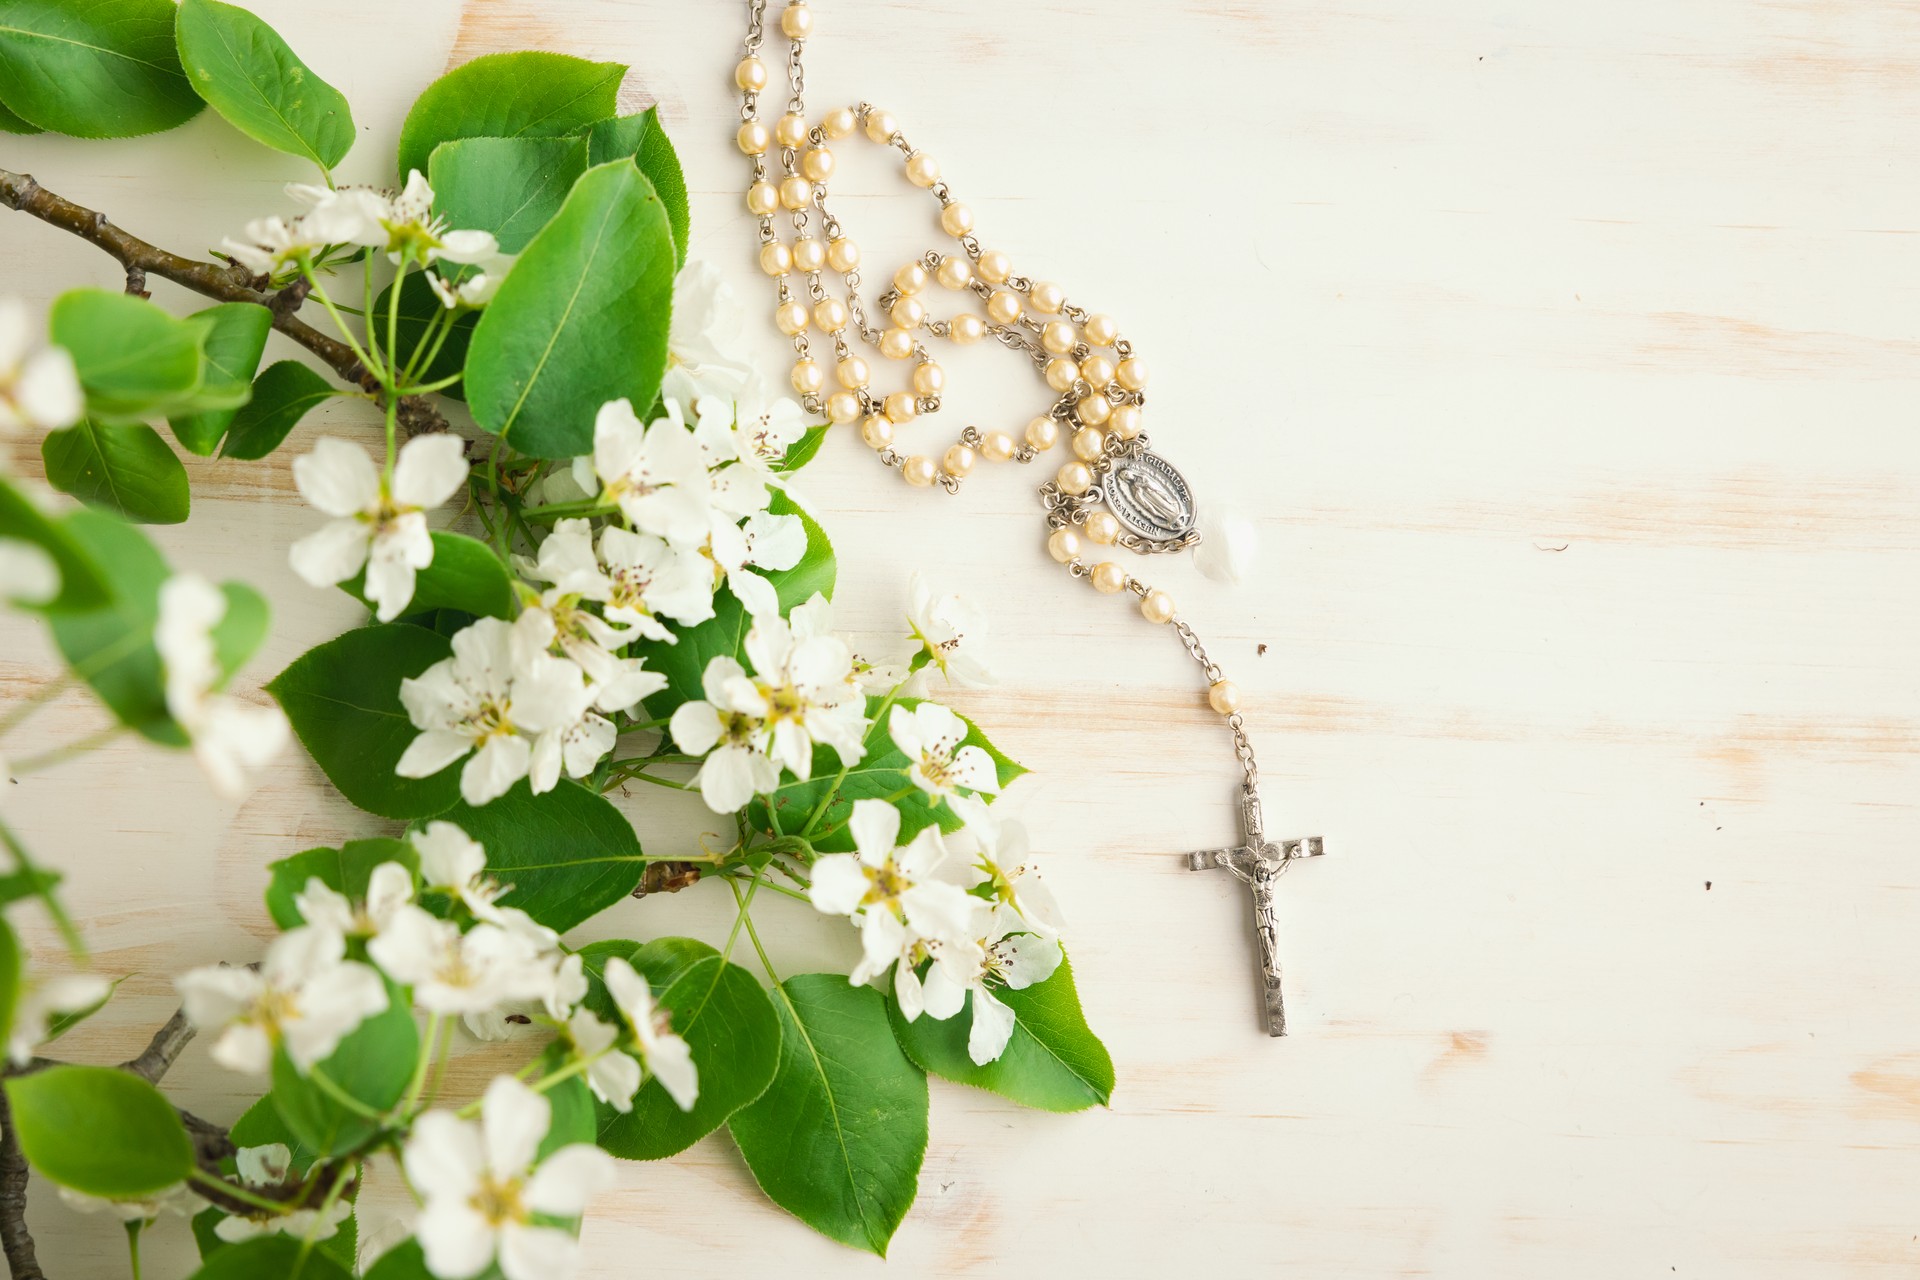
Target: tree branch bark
<point>22,1262</point>
<point>163,1049</point>
<point>227,282</point>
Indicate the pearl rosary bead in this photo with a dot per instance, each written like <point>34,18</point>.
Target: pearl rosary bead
<point>1133,374</point>
<point>843,255</point>
<point>754,138</point>
<point>853,373</point>
<point>750,75</point>
<point>1074,478</point>
<point>790,130</point>
<point>808,378</point>
<point>797,22</point>
<point>958,462</point>
<point>1101,331</point>
<point>1098,371</point>
<point>922,169</point>
<point>830,314</point>
<point>997,447</point>
<point>1224,697</point>
<point>1062,373</point>
<point>1057,337</point>
<point>817,164</point>
<point>796,193</point>
<point>1094,409</point>
<point>881,126</point>
<point>1125,421</point>
<point>840,123</point>
<point>956,220</point>
<point>1063,545</point>
<point>955,272</point>
<point>1103,528</point>
<point>1004,307</point>
<point>896,344</point>
<point>1087,443</point>
<point>1042,432</point>
<point>877,432</point>
<point>809,254</point>
<point>775,258</point>
<point>994,266</point>
<point>791,317</point>
<point>909,312</point>
<point>843,407</point>
<point>929,379</point>
<point>1157,606</point>
<point>900,407</point>
<point>763,198</point>
<point>919,471</point>
<point>966,327</point>
<point>1046,297</point>
<point>911,278</point>
<point>1109,577</point>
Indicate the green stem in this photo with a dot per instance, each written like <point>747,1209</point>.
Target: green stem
<point>420,349</point>
<point>393,312</point>
<point>423,388</point>
<point>562,510</point>
<point>238,1192</point>
<point>62,754</point>
<point>133,1245</point>
<point>34,701</point>
<point>746,905</point>
<point>753,935</point>
<point>427,1046</point>
<point>61,920</point>
<point>329,1087</point>
<point>393,434</point>
<point>826,799</point>
<point>319,295</point>
<point>347,1169</point>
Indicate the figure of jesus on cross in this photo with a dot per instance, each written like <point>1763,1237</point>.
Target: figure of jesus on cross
<point>1258,863</point>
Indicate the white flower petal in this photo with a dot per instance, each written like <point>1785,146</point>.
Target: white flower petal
<point>338,478</point>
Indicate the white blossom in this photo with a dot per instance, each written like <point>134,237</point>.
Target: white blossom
<point>767,540</point>
<point>268,244</point>
<point>1011,955</point>
<point>766,429</point>
<point>454,972</point>
<point>1003,861</point>
<point>402,223</point>
<point>951,632</point>
<point>173,1199</point>
<point>567,560</point>
<point>389,888</point>
<point>229,736</point>
<point>733,740</point>
<point>700,332</point>
<point>269,1168</point>
<point>503,697</point>
<point>41,999</point>
<point>890,891</point>
<point>376,525</point>
<point>613,1076</point>
<point>633,577</point>
<point>666,1056</point>
<point>471,289</point>
<point>38,385</point>
<point>1227,543</point>
<point>480,1188</point>
<point>933,738</point>
<point>654,473</point>
<point>804,692</point>
<point>307,998</point>
<point>28,575</point>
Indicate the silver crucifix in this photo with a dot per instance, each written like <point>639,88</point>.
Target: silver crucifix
<point>1258,864</point>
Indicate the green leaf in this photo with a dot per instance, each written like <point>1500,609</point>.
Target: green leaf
<point>803,450</point>
<point>374,1064</point>
<point>240,631</point>
<point>508,95</point>
<point>111,647</point>
<point>724,635</point>
<point>346,869</point>
<point>724,1015</point>
<point>580,320</point>
<point>569,854</point>
<point>572,1107</point>
<point>246,72</point>
<point>126,469</point>
<point>882,772</point>
<point>641,139</point>
<point>419,305</point>
<point>837,1138</point>
<point>1053,1061</point>
<point>103,69</point>
<point>11,962</point>
<point>283,1257</point>
<point>101,1131</point>
<point>464,575</point>
<point>405,1261</point>
<point>134,360</point>
<point>82,585</point>
<point>236,335</point>
<point>343,700</point>
<point>509,186</point>
<point>282,395</point>
<point>12,123</point>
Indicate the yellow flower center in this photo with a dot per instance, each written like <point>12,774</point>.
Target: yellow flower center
<point>499,1201</point>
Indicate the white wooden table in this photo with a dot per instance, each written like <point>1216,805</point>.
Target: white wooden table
<point>1568,354</point>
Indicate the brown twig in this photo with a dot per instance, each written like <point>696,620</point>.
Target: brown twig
<point>226,282</point>
<point>15,1239</point>
<point>666,877</point>
<point>166,1045</point>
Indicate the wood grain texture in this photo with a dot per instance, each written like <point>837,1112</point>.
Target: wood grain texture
<point>1567,356</point>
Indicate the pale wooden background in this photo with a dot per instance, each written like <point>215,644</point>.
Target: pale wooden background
<point>1568,353</point>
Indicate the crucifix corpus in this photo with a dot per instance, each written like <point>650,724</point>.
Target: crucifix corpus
<point>1258,862</point>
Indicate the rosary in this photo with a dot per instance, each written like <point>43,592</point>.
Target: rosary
<point>1112,492</point>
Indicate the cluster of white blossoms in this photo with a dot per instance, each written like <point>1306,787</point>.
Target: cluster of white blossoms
<point>401,223</point>
<point>959,914</point>
<point>229,736</point>
<point>480,960</point>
